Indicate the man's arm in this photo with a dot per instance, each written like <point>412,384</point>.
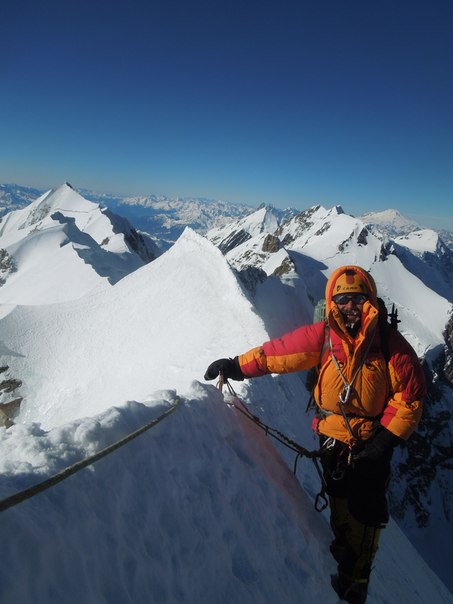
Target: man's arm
<point>404,408</point>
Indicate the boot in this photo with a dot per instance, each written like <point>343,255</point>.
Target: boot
<point>338,549</point>
<point>351,592</point>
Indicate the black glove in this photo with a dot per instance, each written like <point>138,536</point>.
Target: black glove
<point>381,445</point>
<point>229,368</point>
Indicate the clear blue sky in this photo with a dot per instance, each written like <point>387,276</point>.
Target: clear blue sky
<point>292,103</point>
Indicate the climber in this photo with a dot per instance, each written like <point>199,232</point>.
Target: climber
<point>368,396</point>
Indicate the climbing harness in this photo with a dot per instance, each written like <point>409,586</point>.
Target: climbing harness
<point>345,394</point>
<point>13,500</point>
<point>321,501</point>
<point>339,471</point>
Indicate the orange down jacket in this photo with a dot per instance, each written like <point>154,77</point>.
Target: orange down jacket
<point>386,393</point>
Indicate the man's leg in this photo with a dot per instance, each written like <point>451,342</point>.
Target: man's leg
<point>339,522</point>
<point>354,547</point>
<point>358,509</point>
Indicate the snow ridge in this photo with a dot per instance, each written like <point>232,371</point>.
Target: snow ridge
<point>144,523</point>
<point>62,246</point>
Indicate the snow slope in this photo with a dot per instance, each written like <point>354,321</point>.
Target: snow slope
<point>285,272</point>
<point>122,342</point>
<point>200,509</point>
<point>320,240</point>
<point>426,249</point>
<point>62,246</point>
<point>425,240</point>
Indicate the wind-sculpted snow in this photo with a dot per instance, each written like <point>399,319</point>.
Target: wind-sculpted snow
<point>157,328</point>
<point>199,509</point>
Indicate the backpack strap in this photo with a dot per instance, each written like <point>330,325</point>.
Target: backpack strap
<point>313,373</point>
<point>387,321</point>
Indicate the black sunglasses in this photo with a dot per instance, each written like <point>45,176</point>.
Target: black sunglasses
<point>354,298</point>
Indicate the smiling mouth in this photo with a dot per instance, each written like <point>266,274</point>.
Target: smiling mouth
<point>351,317</point>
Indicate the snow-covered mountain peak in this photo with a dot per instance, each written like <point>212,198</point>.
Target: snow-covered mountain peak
<point>38,214</point>
<point>390,221</point>
<point>320,240</point>
<point>424,240</point>
<point>227,237</point>
<point>125,321</point>
<point>65,198</point>
<point>263,219</point>
<point>308,226</point>
<point>62,245</point>
<point>425,248</point>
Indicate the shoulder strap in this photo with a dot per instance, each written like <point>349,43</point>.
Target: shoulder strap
<point>326,344</point>
<point>384,337</point>
<point>387,321</point>
<point>313,373</point>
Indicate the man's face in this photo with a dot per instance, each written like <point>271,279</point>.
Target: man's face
<point>351,307</point>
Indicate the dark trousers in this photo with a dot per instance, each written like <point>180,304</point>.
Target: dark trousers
<point>358,508</point>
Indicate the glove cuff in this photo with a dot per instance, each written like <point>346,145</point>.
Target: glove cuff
<point>236,373</point>
<point>387,439</point>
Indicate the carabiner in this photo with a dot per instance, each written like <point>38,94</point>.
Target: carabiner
<point>324,504</point>
<point>329,443</point>
<point>337,474</point>
<point>345,394</point>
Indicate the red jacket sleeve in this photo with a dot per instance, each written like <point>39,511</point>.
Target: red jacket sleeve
<point>297,350</point>
<point>408,388</point>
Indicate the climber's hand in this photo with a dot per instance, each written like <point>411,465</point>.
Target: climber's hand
<point>229,368</point>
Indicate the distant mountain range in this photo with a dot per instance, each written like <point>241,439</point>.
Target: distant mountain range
<point>165,218</point>
<point>394,224</point>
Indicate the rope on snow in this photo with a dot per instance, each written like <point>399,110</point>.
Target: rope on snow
<point>321,499</point>
<point>17,498</point>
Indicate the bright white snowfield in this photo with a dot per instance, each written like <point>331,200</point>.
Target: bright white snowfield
<point>203,508</point>
<point>62,247</point>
